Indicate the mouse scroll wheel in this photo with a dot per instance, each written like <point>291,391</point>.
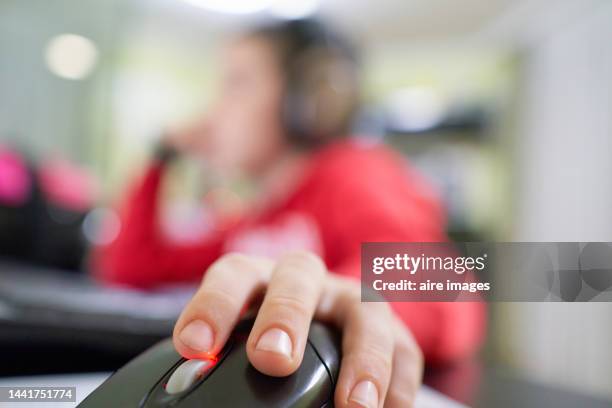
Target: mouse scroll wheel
<point>186,375</point>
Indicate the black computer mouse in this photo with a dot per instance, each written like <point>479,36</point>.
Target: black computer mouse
<point>160,377</point>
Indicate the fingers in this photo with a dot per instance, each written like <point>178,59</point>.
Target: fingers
<point>368,346</point>
<point>382,364</point>
<point>206,322</point>
<point>278,338</point>
<point>407,370</point>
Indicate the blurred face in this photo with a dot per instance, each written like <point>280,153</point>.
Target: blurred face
<point>244,130</point>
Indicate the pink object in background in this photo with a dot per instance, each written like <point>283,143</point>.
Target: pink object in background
<point>67,185</point>
<point>15,181</point>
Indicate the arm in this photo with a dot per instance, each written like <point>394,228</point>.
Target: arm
<point>140,256</point>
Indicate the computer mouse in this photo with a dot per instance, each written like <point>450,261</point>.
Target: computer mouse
<point>160,377</point>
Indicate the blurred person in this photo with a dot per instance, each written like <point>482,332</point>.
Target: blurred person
<point>287,95</point>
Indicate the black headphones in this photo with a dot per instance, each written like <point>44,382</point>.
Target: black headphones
<point>322,86</point>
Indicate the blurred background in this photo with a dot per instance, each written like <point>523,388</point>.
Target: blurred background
<point>505,105</point>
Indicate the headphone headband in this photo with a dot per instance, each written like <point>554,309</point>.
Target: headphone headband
<point>321,91</point>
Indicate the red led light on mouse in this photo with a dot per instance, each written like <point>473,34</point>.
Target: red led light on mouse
<point>205,356</point>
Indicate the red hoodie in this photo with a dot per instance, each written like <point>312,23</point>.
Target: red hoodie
<point>350,194</point>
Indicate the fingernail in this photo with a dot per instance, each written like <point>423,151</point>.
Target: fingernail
<point>365,394</point>
<point>276,341</point>
<point>197,335</point>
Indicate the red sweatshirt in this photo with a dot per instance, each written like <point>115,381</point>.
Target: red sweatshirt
<point>350,194</point>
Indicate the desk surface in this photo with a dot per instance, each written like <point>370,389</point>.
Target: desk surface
<point>483,386</point>
<point>502,390</point>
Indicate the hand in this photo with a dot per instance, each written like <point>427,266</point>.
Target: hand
<point>188,139</point>
<point>381,363</point>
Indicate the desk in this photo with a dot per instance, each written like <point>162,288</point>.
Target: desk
<point>485,386</point>
<point>502,390</point>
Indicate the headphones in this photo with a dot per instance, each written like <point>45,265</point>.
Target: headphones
<point>322,87</point>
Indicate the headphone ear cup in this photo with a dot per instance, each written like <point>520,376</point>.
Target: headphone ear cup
<point>292,115</point>
<point>320,97</point>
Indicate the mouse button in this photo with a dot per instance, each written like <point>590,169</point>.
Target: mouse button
<point>326,344</point>
<point>186,375</point>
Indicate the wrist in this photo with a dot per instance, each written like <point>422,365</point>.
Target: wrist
<point>164,152</point>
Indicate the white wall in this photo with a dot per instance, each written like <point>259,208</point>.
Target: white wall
<point>564,162</point>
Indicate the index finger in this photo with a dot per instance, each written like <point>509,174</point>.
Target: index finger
<point>208,319</point>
